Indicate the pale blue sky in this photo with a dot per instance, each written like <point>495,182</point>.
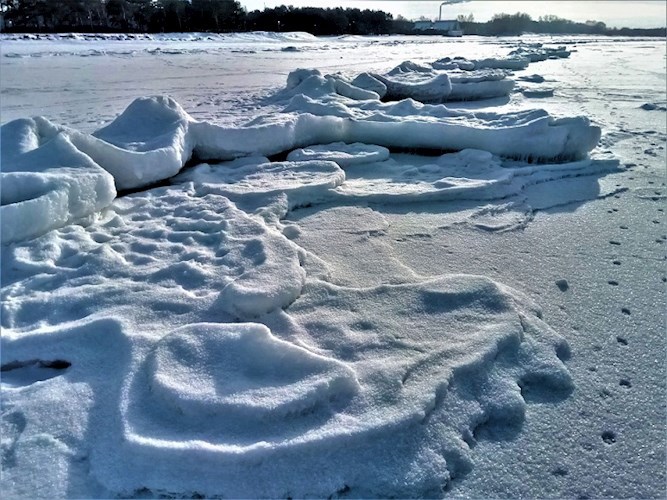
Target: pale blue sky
<point>635,14</point>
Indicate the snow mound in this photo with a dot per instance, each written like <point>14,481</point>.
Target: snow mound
<point>241,373</point>
<point>343,154</point>
<point>148,142</point>
<point>46,183</point>
<point>364,385</point>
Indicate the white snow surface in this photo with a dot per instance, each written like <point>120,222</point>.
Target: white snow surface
<point>323,277</point>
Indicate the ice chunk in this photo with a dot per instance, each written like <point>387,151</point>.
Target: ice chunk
<point>481,84</point>
<point>405,124</point>
<point>296,77</point>
<point>536,52</point>
<point>418,85</point>
<point>511,63</point>
<point>353,92</point>
<point>303,182</point>
<point>148,142</point>
<point>409,67</point>
<point>537,93</point>
<point>369,82</point>
<point>49,185</point>
<point>532,78</point>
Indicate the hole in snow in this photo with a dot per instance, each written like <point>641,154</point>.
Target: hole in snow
<point>22,373</point>
<point>608,437</point>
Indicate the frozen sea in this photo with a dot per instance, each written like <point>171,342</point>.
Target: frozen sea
<point>274,265</point>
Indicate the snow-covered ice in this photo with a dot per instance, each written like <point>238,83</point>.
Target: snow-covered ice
<point>275,265</point>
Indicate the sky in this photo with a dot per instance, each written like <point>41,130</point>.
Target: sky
<point>632,14</point>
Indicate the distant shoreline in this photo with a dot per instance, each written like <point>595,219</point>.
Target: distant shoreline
<point>625,32</point>
<point>229,16</point>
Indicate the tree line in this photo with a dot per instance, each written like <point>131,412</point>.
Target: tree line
<point>155,16</point>
<point>520,23</point>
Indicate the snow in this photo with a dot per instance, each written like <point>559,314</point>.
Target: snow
<point>305,281</point>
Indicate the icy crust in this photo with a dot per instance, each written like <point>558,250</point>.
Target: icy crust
<point>265,177</point>
<point>358,384</point>
<point>400,178</point>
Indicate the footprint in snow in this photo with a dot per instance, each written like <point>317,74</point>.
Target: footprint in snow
<point>563,285</point>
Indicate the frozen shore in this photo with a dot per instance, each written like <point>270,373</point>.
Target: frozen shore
<point>425,280</point>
